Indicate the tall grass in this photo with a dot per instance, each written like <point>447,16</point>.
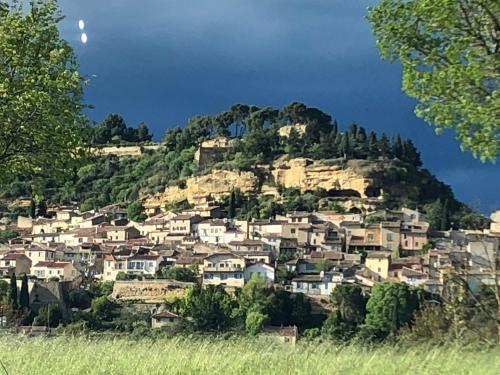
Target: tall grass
<point>109,356</point>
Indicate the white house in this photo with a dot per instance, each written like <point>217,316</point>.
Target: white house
<point>322,284</point>
<point>260,269</point>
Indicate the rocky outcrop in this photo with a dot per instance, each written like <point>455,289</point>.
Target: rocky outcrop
<point>308,175</point>
<point>217,184</point>
<point>338,179</point>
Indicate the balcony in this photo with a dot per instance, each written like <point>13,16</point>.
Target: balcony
<point>233,268</point>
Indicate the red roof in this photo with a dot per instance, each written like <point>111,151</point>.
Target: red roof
<point>14,256</point>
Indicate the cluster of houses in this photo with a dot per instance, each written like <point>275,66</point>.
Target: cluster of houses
<point>305,252</point>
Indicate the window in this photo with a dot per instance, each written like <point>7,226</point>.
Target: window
<point>208,275</point>
<point>379,269</point>
<point>238,275</point>
<point>406,243</point>
<point>223,276</point>
<point>370,237</point>
<point>292,230</point>
<point>389,237</point>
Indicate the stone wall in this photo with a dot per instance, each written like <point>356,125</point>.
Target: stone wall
<point>148,291</point>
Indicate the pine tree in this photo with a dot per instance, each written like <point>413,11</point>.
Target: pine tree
<point>13,291</point>
<point>397,147</point>
<point>24,297</point>
<point>385,146</point>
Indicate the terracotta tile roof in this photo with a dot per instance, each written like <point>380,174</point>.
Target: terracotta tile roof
<point>379,254</point>
<point>14,256</point>
<point>144,257</point>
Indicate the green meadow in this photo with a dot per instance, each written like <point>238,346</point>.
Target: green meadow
<point>109,356</point>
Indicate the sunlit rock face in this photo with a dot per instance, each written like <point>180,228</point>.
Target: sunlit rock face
<point>339,181</point>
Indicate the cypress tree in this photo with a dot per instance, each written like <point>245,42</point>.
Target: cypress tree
<point>13,292</point>
<point>345,149</point>
<point>24,297</point>
<point>361,143</point>
<point>232,204</point>
<point>385,146</point>
<point>33,209</point>
<point>335,128</point>
<point>373,151</point>
<point>410,153</point>
<point>445,218</point>
<point>42,209</point>
<point>397,147</point>
<point>337,143</point>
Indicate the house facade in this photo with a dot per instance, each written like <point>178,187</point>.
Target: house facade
<point>224,269</point>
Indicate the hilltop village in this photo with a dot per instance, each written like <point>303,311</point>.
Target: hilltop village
<point>277,229</point>
<point>310,253</point>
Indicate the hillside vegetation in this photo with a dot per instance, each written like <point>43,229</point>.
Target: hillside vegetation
<point>257,139</point>
<point>115,356</point>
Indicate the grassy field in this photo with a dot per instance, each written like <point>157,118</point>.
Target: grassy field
<point>62,355</point>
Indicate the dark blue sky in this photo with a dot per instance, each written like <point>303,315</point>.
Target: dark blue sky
<point>162,61</point>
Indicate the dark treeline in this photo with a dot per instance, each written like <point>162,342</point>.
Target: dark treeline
<point>114,130</point>
<point>257,133</point>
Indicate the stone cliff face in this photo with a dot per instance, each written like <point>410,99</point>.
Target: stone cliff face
<point>216,184</point>
<point>303,174</point>
<point>308,175</point>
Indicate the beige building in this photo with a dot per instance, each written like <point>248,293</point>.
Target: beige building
<point>121,233</point>
<point>378,262</point>
<point>413,237</point>
<point>495,222</point>
<point>61,270</point>
<point>113,264</point>
<point>49,226</point>
<point>390,235</point>
<point>38,254</point>
<point>224,269</point>
<point>14,263</point>
<point>164,319</point>
<point>183,225</point>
